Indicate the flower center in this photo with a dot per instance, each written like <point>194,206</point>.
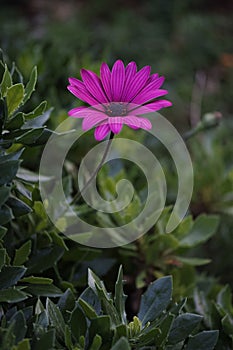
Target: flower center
<point>116,109</point>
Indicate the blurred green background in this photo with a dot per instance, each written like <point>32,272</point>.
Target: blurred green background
<point>190,42</point>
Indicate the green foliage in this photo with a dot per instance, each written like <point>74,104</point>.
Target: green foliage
<point>160,324</point>
<point>44,299</point>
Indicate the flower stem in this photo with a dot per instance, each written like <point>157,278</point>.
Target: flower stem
<point>79,193</point>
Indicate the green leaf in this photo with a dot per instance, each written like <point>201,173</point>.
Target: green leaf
<point>193,261</point>
<point>8,171</point>
<point>12,156</point>
<point>37,280</point>
<point>3,231</point>
<point>6,81</point>
<point>57,239</point>
<point>134,327</point>
<point>3,255</point>
<point>20,327</point>
<point>88,310</point>
<point>14,97</point>
<point>155,300</point>
<point>30,87</point>
<point>203,341</point>
<point>121,344</point>
<point>23,345</point>
<point>21,254</point>
<point>68,338</point>
<point>96,344</point>
<point>6,214</point>
<point>78,323</point>
<point>39,308</point>
<point>204,227</point>
<point>18,207</point>
<point>30,137</point>
<point>227,324</point>
<point>165,327</point>
<point>12,295</point>
<point>89,296</point>
<point>44,290</point>
<point>107,303</point>
<point>3,114</point>
<point>46,341</point>
<point>37,111</point>
<point>15,122</point>
<point>30,176</point>
<point>7,338</point>
<point>56,319</point>
<point>120,297</point>
<point>10,275</point>
<point>224,299</point>
<point>101,325</point>
<point>66,304</point>
<point>120,331</point>
<point>43,259</point>
<point>149,337</point>
<point>38,121</point>
<point>182,327</point>
<point>4,194</point>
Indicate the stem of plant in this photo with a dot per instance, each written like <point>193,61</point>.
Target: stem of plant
<point>79,193</point>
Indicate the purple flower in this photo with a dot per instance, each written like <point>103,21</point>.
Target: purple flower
<point>117,97</point>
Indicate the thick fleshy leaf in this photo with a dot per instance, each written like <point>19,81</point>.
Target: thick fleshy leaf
<point>93,85</point>
<point>12,295</point>
<point>10,275</point>
<point>115,124</point>
<point>117,80</point>
<point>8,171</point>
<point>105,75</point>
<point>6,81</point>
<point>30,87</point>
<point>155,300</point>
<point>138,83</point>
<point>101,132</point>
<point>14,97</point>
<point>205,340</point>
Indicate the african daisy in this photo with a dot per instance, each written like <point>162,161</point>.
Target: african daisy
<point>117,97</point>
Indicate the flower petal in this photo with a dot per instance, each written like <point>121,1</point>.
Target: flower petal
<point>147,96</point>
<point>138,83</point>
<point>105,75</point>
<point>155,106</point>
<point>117,80</point>
<point>82,94</point>
<point>130,72</point>
<point>101,132</point>
<point>133,122</point>
<point>153,77</point>
<point>93,84</point>
<point>115,124</point>
<point>150,107</point>
<point>153,85</point>
<point>92,119</point>
<point>145,124</point>
<point>79,112</point>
